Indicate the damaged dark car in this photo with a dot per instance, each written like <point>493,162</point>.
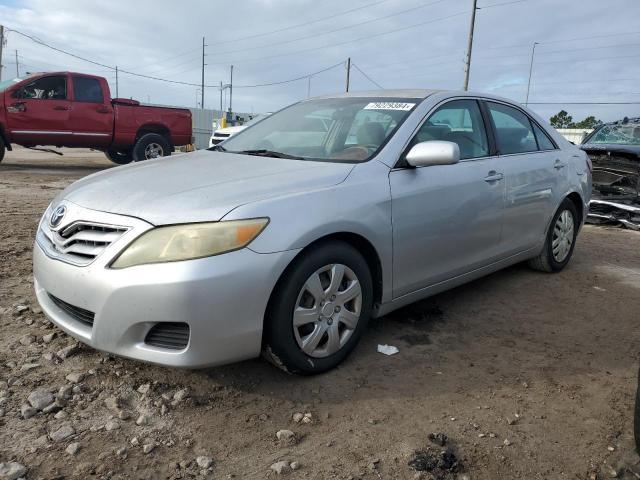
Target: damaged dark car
<point>614,150</point>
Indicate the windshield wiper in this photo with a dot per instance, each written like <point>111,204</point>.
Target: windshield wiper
<point>269,153</point>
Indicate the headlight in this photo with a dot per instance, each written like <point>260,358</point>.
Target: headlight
<point>189,241</point>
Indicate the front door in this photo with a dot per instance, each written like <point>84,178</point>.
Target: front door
<point>38,112</point>
<point>91,117</point>
<point>447,219</point>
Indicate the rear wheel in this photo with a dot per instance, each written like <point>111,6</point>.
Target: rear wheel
<point>560,241</point>
<point>118,156</point>
<point>2,149</point>
<point>149,146</point>
<point>319,310</point>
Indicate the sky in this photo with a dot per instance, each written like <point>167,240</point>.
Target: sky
<point>587,51</point>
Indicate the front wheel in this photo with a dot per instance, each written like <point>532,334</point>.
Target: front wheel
<point>560,241</point>
<point>319,310</point>
<point>151,145</point>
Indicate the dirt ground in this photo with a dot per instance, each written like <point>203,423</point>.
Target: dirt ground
<point>530,375</point>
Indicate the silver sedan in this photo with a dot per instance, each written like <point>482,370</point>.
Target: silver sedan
<point>288,237</point>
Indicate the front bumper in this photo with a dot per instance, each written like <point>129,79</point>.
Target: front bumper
<point>222,299</point>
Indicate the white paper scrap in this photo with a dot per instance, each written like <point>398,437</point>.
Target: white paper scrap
<point>388,349</point>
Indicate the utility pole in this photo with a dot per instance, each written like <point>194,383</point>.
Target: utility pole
<point>17,66</point>
<point>309,86</point>
<point>202,86</point>
<point>231,91</point>
<point>348,72</point>
<point>117,96</point>
<point>221,112</point>
<point>467,68</point>
<point>533,52</point>
<point>1,45</point>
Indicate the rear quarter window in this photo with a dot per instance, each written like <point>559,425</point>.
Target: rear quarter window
<point>86,89</point>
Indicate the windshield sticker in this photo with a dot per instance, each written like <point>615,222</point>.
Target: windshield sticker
<point>390,106</point>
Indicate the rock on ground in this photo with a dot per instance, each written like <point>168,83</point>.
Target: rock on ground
<point>11,471</point>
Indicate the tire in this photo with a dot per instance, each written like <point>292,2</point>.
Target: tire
<point>636,418</point>
<point>151,145</point>
<point>332,323</point>
<point>2,149</point>
<point>547,261</point>
<point>118,156</point>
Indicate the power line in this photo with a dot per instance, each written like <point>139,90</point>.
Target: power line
<point>501,4</point>
<point>292,79</point>
<point>366,37</point>
<point>40,42</point>
<point>291,27</point>
<point>584,103</point>
<point>564,40</point>
<point>367,76</point>
<point>328,32</point>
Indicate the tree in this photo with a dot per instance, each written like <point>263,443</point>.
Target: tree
<point>589,122</point>
<point>562,120</point>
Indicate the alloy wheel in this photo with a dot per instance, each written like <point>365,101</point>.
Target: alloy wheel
<point>153,150</point>
<point>327,310</point>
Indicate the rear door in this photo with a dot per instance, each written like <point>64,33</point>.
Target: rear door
<point>447,219</point>
<point>38,112</point>
<point>91,117</point>
<point>534,173</point>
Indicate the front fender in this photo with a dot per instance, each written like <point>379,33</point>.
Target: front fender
<point>361,205</point>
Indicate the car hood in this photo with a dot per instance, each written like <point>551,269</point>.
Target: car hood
<point>200,186</point>
<point>610,147</point>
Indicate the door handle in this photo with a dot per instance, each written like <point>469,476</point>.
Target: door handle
<point>103,110</point>
<point>60,107</point>
<point>558,165</point>
<point>493,177</point>
<point>17,107</point>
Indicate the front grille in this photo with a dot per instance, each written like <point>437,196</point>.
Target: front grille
<point>80,314</point>
<point>80,242</point>
<point>221,135</point>
<point>171,335</point>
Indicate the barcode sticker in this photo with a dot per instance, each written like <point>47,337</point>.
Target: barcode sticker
<point>389,106</point>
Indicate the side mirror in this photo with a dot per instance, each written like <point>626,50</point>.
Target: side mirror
<point>433,152</point>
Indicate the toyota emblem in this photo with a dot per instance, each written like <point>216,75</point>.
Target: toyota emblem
<point>57,216</point>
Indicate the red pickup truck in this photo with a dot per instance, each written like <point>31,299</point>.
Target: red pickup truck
<point>65,109</point>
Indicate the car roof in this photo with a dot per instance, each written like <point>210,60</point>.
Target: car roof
<point>385,93</point>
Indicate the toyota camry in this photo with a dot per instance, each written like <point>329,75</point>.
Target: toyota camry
<point>288,237</point>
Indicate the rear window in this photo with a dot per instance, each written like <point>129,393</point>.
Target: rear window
<point>513,129</point>
<point>87,89</point>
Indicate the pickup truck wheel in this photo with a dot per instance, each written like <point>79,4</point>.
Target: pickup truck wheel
<point>151,145</point>
<point>2,149</point>
<point>118,156</point>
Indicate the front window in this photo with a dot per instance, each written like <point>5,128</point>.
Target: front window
<point>44,88</point>
<point>618,134</point>
<point>460,122</point>
<point>334,129</point>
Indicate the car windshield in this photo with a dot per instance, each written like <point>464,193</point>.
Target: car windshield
<point>618,134</point>
<point>334,129</point>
